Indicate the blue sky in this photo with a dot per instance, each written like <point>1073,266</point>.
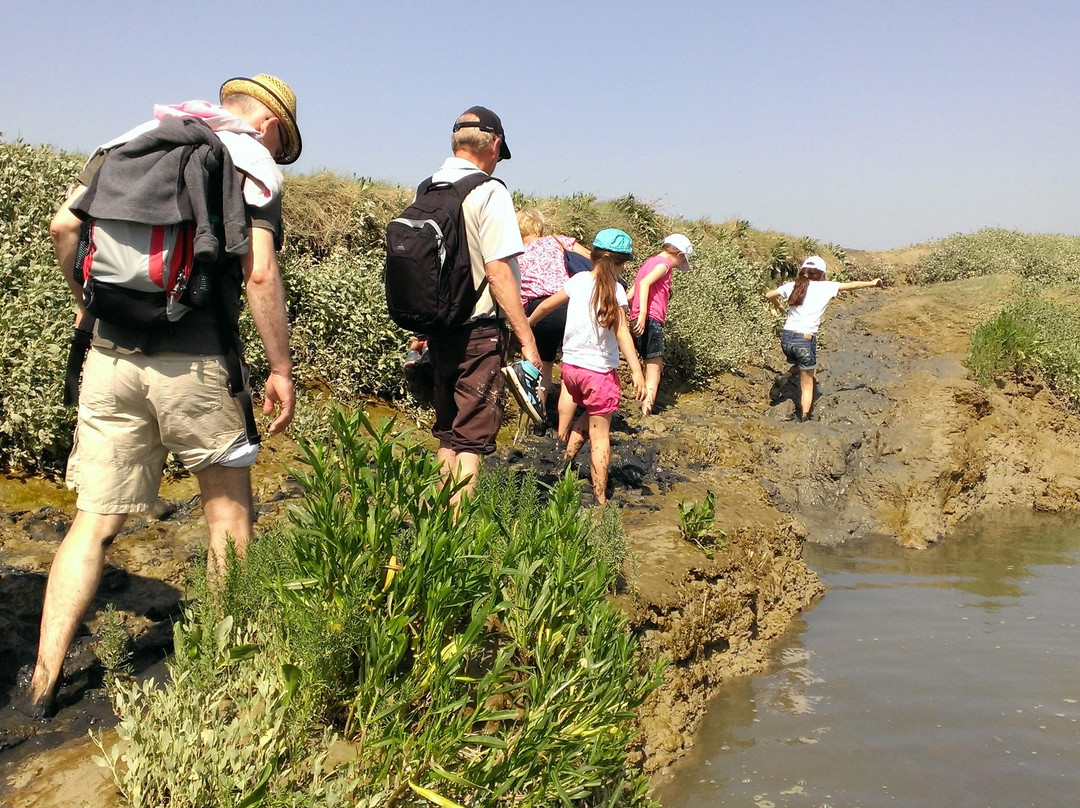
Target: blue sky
<point>869,124</point>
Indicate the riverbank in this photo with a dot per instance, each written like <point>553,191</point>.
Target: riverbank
<point>903,445</point>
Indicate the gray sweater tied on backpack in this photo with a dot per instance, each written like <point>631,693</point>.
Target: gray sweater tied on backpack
<point>162,178</point>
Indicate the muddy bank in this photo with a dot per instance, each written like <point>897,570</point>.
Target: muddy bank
<point>903,445</point>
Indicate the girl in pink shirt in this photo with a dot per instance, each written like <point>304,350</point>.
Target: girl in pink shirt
<point>543,273</point>
<point>648,309</point>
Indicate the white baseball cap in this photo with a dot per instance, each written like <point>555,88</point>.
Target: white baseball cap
<point>815,262</point>
<point>682,244</point>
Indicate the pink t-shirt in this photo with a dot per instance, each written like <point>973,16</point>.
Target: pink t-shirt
<point>543,267</point>
<point>659,292</point>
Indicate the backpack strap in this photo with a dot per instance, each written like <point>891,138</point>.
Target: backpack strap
<point>465,186</point>
<point>236,370</point>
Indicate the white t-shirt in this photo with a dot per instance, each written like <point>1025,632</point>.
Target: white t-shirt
<point>806,317</point>
<point>490,226</point>
<point>585,343</point>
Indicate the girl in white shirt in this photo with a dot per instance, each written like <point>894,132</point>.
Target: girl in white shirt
<point>807,298</point>
<point>596,328</point>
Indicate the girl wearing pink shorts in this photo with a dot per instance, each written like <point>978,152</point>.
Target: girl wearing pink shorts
<point>596,328</point>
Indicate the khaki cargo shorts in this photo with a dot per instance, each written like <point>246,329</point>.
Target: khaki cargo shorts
<point>135,409</point>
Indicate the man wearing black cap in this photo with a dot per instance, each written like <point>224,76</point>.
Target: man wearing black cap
<point>468,363</point>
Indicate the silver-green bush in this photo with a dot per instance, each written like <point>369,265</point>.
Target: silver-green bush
<point>37,313</point>
<point>345,346</point>
<point>1045,259</point>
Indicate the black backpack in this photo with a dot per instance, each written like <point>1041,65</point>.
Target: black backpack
<point>428,274</point>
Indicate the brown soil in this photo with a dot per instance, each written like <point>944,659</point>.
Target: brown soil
<point>903,444</point>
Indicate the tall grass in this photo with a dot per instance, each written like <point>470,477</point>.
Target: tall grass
<point>1008,343</point>
<point>1032,334</point>
<point>470,661</point>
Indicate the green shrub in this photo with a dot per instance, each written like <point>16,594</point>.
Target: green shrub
<point>469,661</point>
<point>1009,342</point>
<point>716,317</point>
<point>1032,334</point>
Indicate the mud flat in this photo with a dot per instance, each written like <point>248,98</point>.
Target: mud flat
<point>903,445</point>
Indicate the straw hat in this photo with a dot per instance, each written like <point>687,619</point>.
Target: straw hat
<point>279,99</point>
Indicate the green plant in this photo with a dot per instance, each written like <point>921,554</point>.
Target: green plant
<point>1009,342</point>
<point>37,317</point>
<point>465,661</point>
<point>1043,259</point>
<point>697,523</point>
<point>113,646</point>
<point>782,263</point>
<point>1033,334</point>
<point>608,536</point>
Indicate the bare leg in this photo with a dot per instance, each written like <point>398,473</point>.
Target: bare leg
<point>459,466</point>
<point>652,383</point>
<point>600,438</point>
<point>806,391</point>
<point>576,439</point>
<point>545,380</point>
<point>227,505</point>
<point>73,580</point>
<point>567,407</point>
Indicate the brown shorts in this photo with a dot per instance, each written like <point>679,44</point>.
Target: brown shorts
<point>135,409</point>
<point>469,387</point>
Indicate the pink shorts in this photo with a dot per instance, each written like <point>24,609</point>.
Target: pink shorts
<point>599,392</point>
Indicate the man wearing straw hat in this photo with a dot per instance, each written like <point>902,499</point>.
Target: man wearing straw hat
<point>147,393</point>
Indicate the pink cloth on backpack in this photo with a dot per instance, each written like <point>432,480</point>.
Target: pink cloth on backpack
<point>242,141</point>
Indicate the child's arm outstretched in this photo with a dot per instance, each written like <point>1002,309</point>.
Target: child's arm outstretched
<point>844,287</point>
<point>548,306</point>
<point>642,293</point>
<point>774,300</point>
<point>626,345</point>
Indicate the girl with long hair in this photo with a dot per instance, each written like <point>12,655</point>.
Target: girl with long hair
<point>596,330</point>
<point>807,298</point>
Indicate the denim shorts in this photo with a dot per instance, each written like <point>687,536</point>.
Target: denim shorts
<point>799,350</point>
<point>650,344</point>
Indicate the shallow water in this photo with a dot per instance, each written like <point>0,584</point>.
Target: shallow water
<point>944,677</point>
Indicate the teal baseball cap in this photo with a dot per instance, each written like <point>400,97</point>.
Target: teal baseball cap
<point>614,240</point>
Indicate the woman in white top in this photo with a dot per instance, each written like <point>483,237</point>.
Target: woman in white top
<point>596,328</point>
<point>807,298</point>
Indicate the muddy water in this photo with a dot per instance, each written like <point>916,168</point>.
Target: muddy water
<point>944,677</point>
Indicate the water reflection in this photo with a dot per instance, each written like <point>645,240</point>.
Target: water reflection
<point>943,677</point>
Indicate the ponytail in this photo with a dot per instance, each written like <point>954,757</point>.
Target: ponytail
<point>802,283</point>
<point>607,266</point>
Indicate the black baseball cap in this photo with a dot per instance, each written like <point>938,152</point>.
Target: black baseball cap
<point>489,122</point>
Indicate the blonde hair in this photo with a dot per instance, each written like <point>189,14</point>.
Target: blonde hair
<point>471,138</point>
<point>530,222</point>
